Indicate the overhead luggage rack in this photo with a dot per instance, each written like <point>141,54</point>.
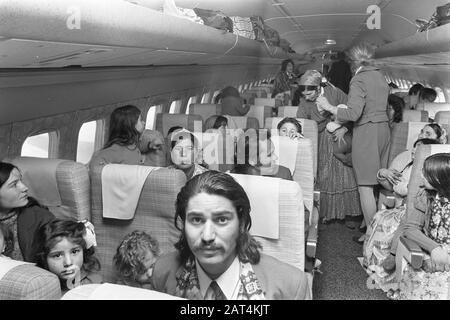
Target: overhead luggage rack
<point>50,33</point>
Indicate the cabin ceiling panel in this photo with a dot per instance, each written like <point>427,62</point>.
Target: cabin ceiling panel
<point>19,53</point>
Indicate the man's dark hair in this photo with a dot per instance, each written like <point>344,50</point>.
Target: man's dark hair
<point>221,184</point>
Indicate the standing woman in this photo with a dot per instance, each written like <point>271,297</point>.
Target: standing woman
<point>284,78</point>
<point>22,215</point>
<point>366,107</point>
<point>125,129</point>
<point>336,181</point>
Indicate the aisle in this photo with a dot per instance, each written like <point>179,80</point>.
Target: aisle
<point>342,276</point>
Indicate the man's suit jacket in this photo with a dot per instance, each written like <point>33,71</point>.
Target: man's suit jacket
<point>279,280</point>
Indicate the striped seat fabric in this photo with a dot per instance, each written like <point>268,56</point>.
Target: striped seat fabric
<point>28,282</point>
<point>154,214</point>
<point>72,184</point>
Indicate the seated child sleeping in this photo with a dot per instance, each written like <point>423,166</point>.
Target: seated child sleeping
<point>135,258</point>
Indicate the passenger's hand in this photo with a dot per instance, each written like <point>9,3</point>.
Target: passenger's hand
<point>295,135</point>
<point>323,104</point>
<point>440,258</point>
<point>338,134</point>
<point>391,175</point>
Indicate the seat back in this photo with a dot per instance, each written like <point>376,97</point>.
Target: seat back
<point>28,282</point>
<point>205,110</point>
<point>403,136</point>
<point>249,97</point>
<point>265,102</point>
<point>242,122</point>
<point>259,92</point>
<point>61,185</point>
<point>217,150</point>
<point>442,117</point>
<point>433,107</point>
<point>287,111</point>
<point>164,121</point>
<point>267,89</point>
<point>309,130</point>
<point>260,113</point>
<point>154,214</point>
<point>422,152</point>
<point>290,245</point>
<point>415,115</point>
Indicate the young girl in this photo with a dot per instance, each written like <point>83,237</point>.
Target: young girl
<point>290,127</point>
<point>67,250</point>
<point>429,227</point>
<point>6,241</point>
<point>126,127</point>
<point>135,258</point>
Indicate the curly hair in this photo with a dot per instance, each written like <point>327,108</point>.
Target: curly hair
<point>54,231</point>
<point>130,254</point>
<point>222,184</point>
<point>8,239</point>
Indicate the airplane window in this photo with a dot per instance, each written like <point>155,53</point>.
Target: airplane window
<point>86,141</point>
<point>191,100</point>
<point>36,146</point>
<point>175,106</point>
<point>240,88</point>
<point>206,97</point>
<point>151,116</point>
<point>215,94</point>
<point>440,95</point>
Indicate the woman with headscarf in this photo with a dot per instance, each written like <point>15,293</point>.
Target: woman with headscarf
<point>366,107</point>
<point>336,181</point>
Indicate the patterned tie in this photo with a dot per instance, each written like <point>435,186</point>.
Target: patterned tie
<point>214,292</point>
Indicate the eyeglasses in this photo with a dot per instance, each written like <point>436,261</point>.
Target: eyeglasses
<point>307,88</point>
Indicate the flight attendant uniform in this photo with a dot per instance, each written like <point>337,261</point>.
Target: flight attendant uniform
<point>367,107</point>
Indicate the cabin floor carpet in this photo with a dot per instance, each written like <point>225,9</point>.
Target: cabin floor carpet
<point>342,276</point>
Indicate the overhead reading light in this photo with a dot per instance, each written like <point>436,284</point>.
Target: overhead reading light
<point>330,41</point>
<point>278,4</point>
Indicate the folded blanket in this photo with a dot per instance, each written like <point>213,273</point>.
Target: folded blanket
<point>286,150</point>
<point>121,188</point>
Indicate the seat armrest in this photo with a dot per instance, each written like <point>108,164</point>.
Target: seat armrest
<point>316,199</point>
<point>387,198</point>
<point>414,253</point>
<point>311,240</point>
<point>407,251</point>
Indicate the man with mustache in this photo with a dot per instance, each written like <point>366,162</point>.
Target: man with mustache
<point>217,258</point>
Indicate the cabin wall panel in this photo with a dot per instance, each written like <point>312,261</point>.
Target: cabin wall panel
<point>60,123</point>
<point>27,95</point>
<point>5,140</point>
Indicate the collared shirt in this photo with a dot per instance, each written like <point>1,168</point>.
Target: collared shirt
<point>227,281</point>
